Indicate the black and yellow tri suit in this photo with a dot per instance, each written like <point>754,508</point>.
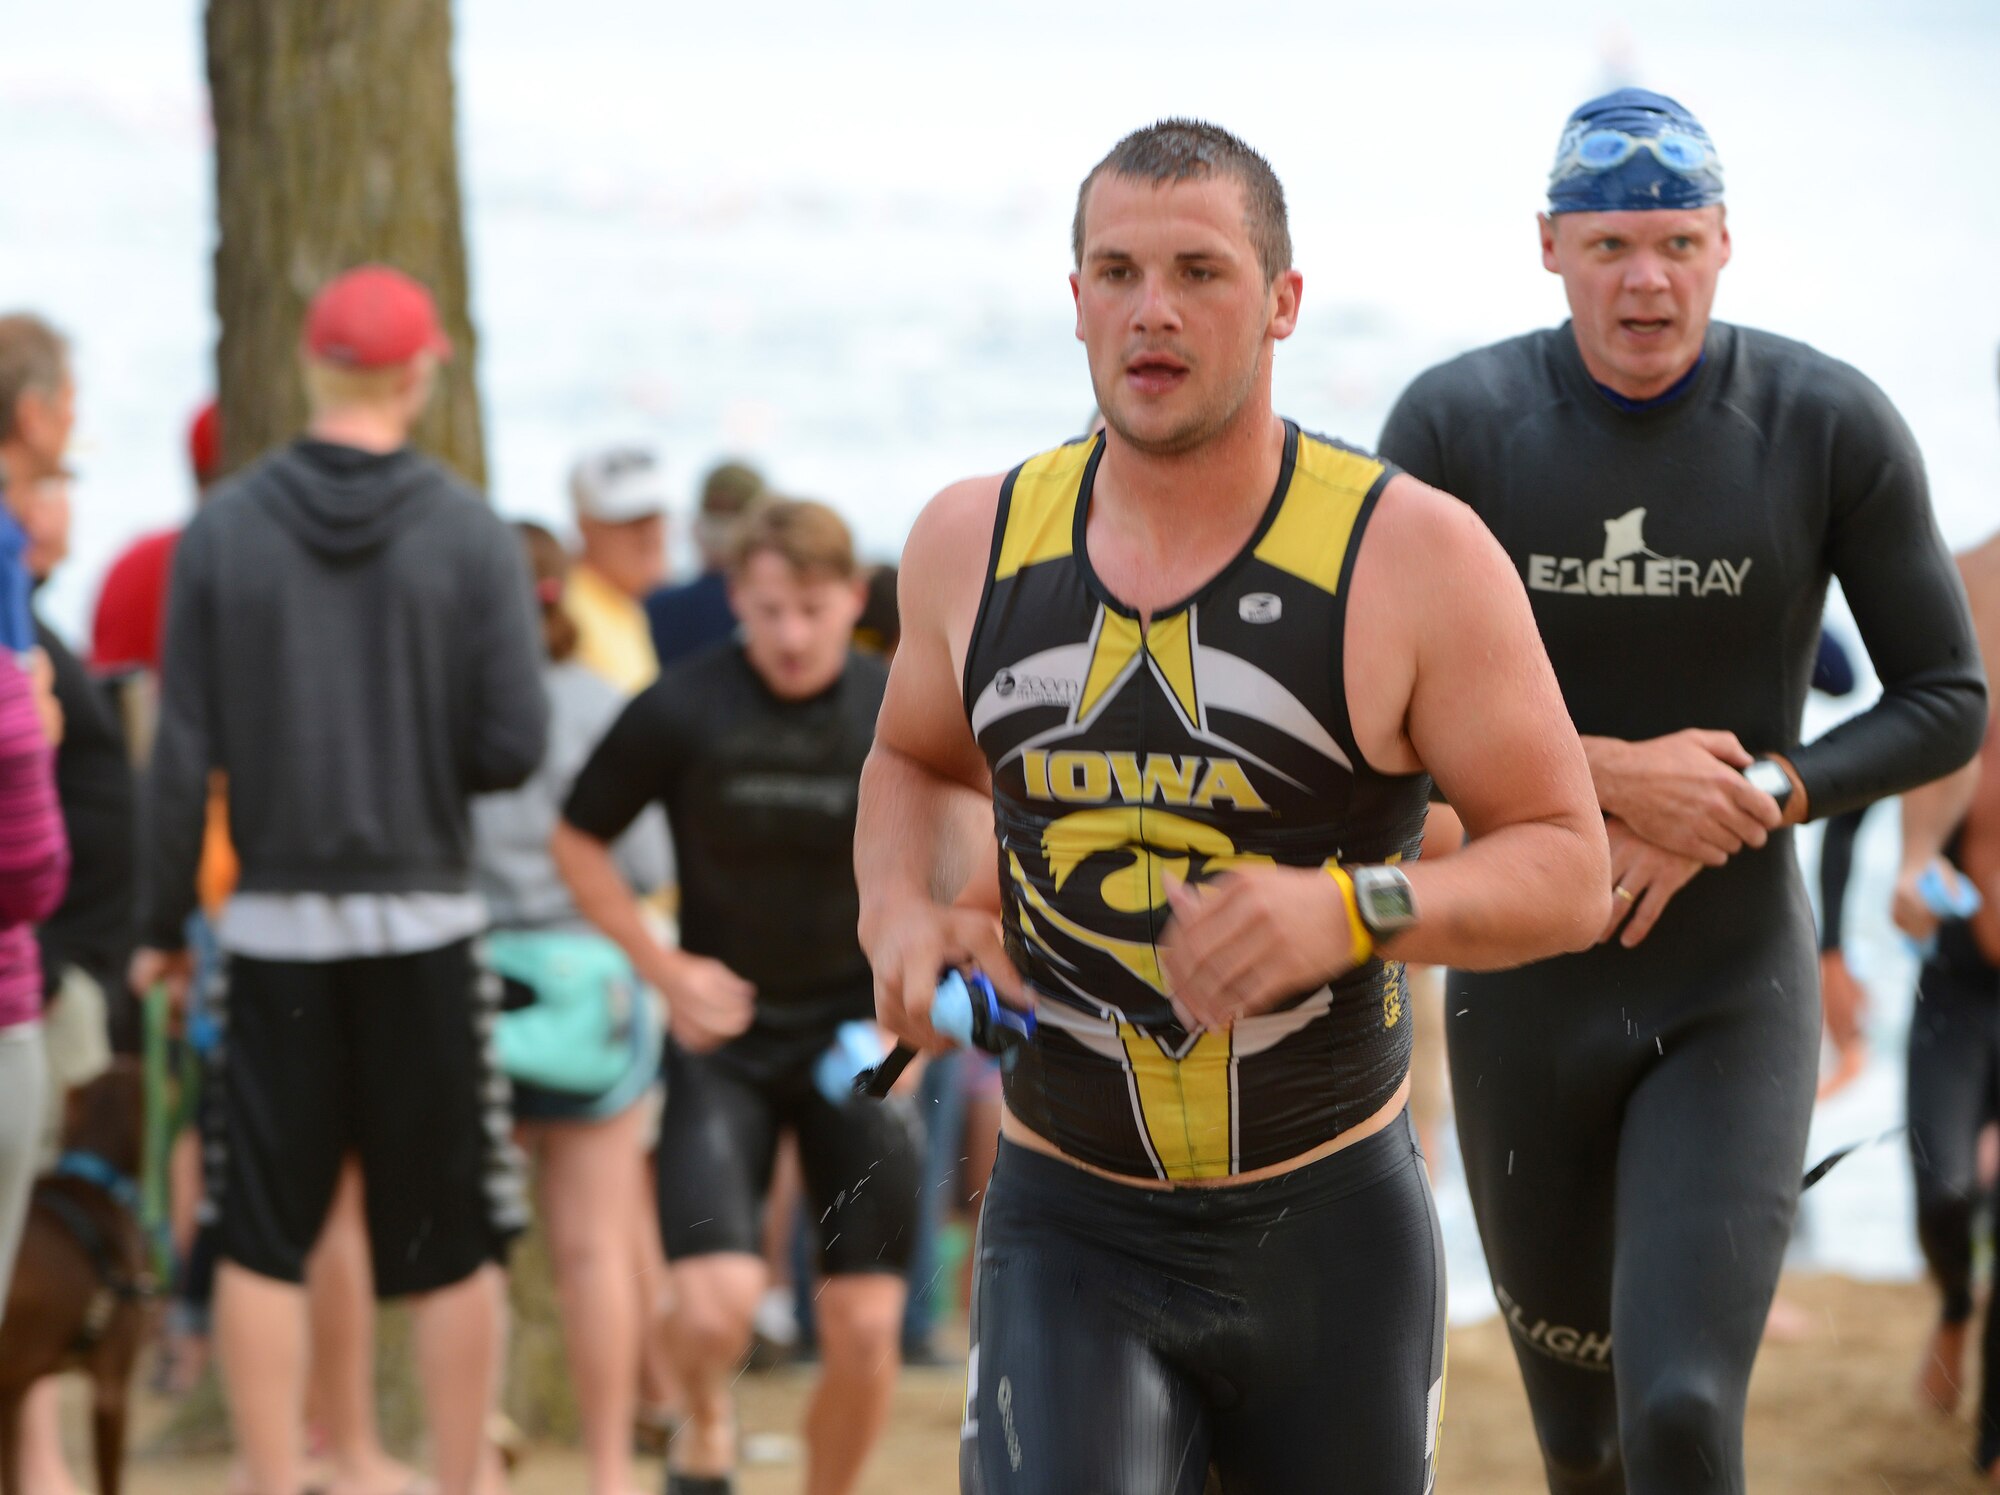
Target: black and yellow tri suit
<point>1123,754</point>
<point>1287,1333</point>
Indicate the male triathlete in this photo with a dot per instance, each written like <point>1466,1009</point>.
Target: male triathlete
<point>1676,493</point>
<point>1954,1048</point>
<point>755,749</point>
<point>1194,671</point>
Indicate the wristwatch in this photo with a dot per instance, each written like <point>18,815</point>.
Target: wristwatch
<point>1383,898</point>
<point>1769,775</point>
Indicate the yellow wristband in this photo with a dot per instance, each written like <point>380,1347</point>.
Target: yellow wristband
<point>1364,941</point>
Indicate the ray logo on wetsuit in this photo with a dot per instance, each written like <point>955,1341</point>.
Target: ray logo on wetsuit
<point>1629,567</point>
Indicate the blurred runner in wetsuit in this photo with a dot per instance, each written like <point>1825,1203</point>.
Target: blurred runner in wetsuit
<point>1954,1047</point>
<point>755,749</point>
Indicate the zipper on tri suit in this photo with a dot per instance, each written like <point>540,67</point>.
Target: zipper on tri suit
<point>1145,847</point>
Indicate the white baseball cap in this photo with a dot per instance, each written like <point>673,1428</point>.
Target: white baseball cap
<point>618,485</point>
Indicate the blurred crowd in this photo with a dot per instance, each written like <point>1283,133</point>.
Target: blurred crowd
<point>379,875</point>
<point>275,858</point>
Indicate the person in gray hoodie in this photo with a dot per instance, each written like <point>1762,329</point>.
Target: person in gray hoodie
<point>351,644</point>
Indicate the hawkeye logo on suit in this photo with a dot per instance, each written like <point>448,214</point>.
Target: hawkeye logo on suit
<point>1630,567</point>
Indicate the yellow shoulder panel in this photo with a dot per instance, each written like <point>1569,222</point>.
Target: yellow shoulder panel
<point>1041,514</point>
<point>1310,536</point>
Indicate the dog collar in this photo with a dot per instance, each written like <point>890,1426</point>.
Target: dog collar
<point>91,1168</point>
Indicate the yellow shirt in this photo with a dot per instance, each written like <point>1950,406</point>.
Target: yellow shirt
<point>614,641</point>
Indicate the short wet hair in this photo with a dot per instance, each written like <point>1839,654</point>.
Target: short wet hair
<point>1181,150</point>
<point>810,537</point>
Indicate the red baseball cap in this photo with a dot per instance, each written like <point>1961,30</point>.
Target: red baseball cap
<point>371,318</point>
<point>205,443</point>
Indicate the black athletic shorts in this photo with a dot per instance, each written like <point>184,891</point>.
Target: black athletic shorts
<point>387,1058</point>
<point>862,1159</point>
<point>1287,1334</point>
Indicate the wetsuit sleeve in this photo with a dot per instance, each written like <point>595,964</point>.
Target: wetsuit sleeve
<point>1884,546</point>
<point>1836,862</point>
<point>1410,435</point>
<point>628,770</point>
<point>176,801</point>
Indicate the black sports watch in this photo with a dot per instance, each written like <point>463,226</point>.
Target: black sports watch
<point>1769,775</point>
<point>1383,898</point>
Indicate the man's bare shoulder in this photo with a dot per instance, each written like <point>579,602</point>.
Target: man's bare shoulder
<point>956,526</point>
<point>944,559</point>
<point>1433,541</point>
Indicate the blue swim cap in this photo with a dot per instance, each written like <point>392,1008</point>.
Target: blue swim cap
<point>1630,150</point>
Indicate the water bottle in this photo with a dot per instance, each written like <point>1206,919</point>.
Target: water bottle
<point>856,1046</point>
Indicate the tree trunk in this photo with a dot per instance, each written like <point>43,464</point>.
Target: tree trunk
<point>335,145</point>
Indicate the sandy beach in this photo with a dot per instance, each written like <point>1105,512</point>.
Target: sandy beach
<point>1831,1414</point>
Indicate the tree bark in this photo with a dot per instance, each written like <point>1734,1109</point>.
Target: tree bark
<point>335,145</point>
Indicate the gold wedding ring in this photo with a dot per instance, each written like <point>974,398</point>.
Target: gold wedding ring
<point>1626,893</point>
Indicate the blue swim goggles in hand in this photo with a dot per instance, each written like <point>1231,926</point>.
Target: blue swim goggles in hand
<point>1956,899</point>
<point>1604,150</point>
<point>856,1047</point>
<point>967,1010</point>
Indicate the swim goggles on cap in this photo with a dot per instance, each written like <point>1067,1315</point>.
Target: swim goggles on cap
<point>1604,149</point>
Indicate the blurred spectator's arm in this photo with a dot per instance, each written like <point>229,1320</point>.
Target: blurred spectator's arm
<point>175,810</point>
<point>1836,864</point>
<point>510,724</point>
<point>34,854</point>
<point>1843,1002</point>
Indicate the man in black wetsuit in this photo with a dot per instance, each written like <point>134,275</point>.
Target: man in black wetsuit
<point>755,749</point>
<point>1676,493</point>
<point>1195,671</point>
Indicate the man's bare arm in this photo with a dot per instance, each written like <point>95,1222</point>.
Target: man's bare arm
<point>926,813</point>
<point>1931,813</point>
<point>1487,720</point>
<point>590,871</point>
<point>706,1001</point>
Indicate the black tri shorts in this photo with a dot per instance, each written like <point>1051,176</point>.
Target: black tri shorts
<point>1285,1336</point>
<point>387,1058</point>
<point>862,1158</point>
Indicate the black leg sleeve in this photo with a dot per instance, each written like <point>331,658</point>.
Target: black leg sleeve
<point>1708,1187</point>
<point>1951,1064</point>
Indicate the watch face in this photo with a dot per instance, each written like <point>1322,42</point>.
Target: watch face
<point>1770,778</point>
<point>1390,905</point>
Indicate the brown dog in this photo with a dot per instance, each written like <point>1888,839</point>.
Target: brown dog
<point>77,1301</point>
